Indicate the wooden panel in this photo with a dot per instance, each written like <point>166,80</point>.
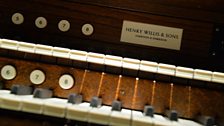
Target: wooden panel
<point>143,94</point>
<point>181,100</point>
<point>161,97</point>
<point>109,88</point>
<point>176,8</point>
<point>207,102</point>
<point>133,93</point>
<point>91,85</point>
<point>107,22</point>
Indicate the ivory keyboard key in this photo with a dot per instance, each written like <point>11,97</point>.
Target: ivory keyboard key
<point>9,44</point>
<point>26,47</point>
<point>100,115</point>
<point>185,122</point>
<point>45,53</point>
<point>159,120</point>
<point>32,105</point>
<point>79,58</point>
<point>120,118</point>
<point>165,71</point>
<point>139,119</point>
<point>184,72</point>
<point>55,107</point>
<point>96,61</point>
<point>11,102</point>
<point>78,112</point>
<point>218,77</point>
<point>2,92</point>
<point>202,75</point>
<point>44,50</point>
<point>61,52</point>
<point>130,66</point>
<point>148,69</point>
<point>113,64</point>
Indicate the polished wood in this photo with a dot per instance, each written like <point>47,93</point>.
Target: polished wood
<point>197,18</point>
<point>134,93</point>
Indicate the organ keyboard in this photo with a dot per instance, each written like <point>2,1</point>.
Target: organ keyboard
<point>133,93</point>
<point>120,63</point>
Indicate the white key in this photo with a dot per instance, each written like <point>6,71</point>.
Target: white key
<point>17,18</point>
<point>148,66</point>
<point>185,122</point>
<point>64,25</point>
<point>9,44</point>
<point>159,120</point>
<point>66,81</point>
<point>2,92</point>
<point>184,72</point>
<point>78,112</point>
<point>37,77</point>
<point>95,58</point>
<point>139,119</point>
<point>26,47</point>
<point>113,61</point>
<point>129,63</point>
<point>41,22</point>
<point>78,55</point>
<point>218,77</point>
<point>100,115</point>
<point>122,118</point>
<point>166,69</point>
<point>44,50</point>
<point>8,72</point>
<point>32,105</point>
<point>203,75</point>
<point>87,29</point>
<point>61,52</point>
<point>55,107</point>
<point>11,102</point>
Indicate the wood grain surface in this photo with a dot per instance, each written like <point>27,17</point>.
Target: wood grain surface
<point>134,93</point>
<point>197,18</point>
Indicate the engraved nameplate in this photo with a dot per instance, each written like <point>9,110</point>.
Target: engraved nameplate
<point>151,35</point>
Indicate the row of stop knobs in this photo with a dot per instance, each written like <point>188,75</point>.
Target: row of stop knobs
<point>66,81</point>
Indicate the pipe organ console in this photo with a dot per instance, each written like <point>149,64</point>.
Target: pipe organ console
<point>118,63</point>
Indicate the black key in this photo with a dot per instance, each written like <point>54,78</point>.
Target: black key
<point>96,102</point>
<point>42,93</point>
<point>206,120</point>
<point>116,105</point>
<point>172,115</point>
<point>21,90</point>
<point>148,110</point>
<point>75,98</point>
